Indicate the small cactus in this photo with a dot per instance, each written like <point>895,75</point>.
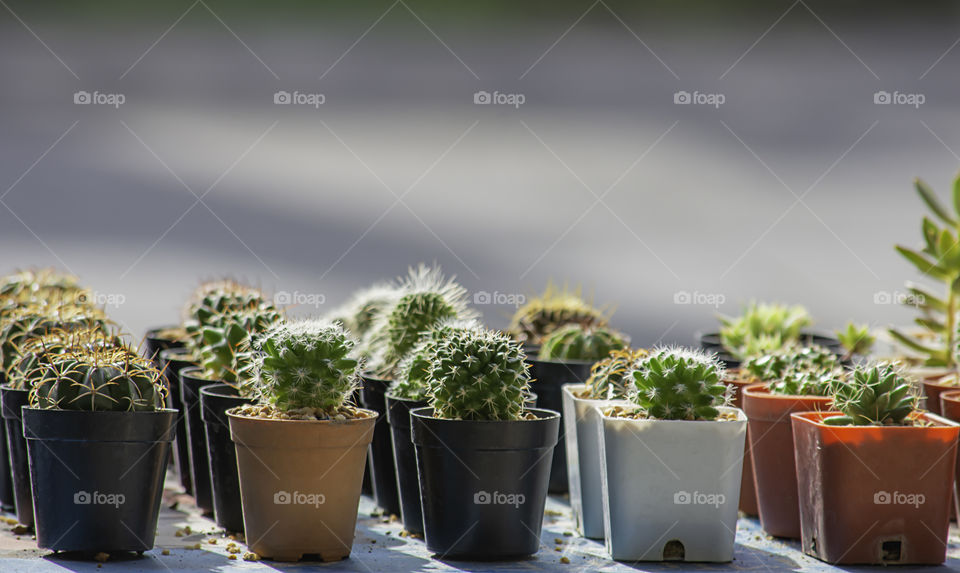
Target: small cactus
<point>679,384</point>
<point>796,370</point>
<point>212,300</point>
<point>38,284</point>
<point>411,381</point>
<point>305,364</point>
<point>98,379</point>
<point>23,322</point>
<point>577,342</point>
<point>37,350</point>
<point>221,355</point>
<point>554,308</point>
<point>876,395</point>
<point>607,380</point>
<point>776,322</point>
<point>477,374</point>
<point>360,313</point>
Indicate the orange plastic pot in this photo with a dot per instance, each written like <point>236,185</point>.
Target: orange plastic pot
<point>875,494</point>
<point>932,389</point>
<point>771,451</point>
<point>950,408</point>
<point>748,491</point>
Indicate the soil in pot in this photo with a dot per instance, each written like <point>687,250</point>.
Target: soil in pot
<point>671,487</point>
<point>172,361</point>
<point>191,381</point>
<point>771,450</point>
<point>581,420</point>
<point>748,492</point>
<point>97,477</point>
<point>11,400</point>
<point>383,475</point>
<point>875,495</point>
<point>300,483</point>
<point>221,455</point>
<point>548,377</point>
<point>405,461</point>
<point>483,484</point>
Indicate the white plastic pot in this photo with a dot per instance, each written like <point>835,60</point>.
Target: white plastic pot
<point>670,487</point>
<point>582,427</point>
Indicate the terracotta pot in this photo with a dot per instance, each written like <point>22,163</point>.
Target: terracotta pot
<point>771,451</point>
<point>300,483</point>
<point>860,506</point>
<point>932,389</point>
<point>950,407</point>
<point>748,490</point>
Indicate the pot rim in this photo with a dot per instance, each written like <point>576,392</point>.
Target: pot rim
<point>150,332</point>
<point>191,372</point>
<point>573,362</point>
<point>815,419</point>
<point>949,395</point>
<point>570,387</point>
<point>761,390</point>
<point>741,416</point>
<point>175,353</point>
<point>217,387</point>
<point>374,416</point>
<point>935,381</point>
<point>421,413</point>
<point>112,412</point>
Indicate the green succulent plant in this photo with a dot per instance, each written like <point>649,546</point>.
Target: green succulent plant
<point>215,299</point>
<point>411,381</point>
<point>795,370</point>
<point>607,377</point>
<point>577,342</point>
<point>222,355</point>
<point>305,364</point>
<point>762,326</point>
<point>877,395</point>
<point>556,307</point>
<point>939,259</point>
<point>679,384</point>
<point>39,348</point>
<point>856,339</point>
<point>99,379</point>
<point>477,374</point>
<point>360,313</point>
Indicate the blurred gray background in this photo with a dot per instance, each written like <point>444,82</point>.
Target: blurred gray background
<point>794,189</point>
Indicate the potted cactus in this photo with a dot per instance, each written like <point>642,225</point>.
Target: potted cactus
<point>856,507</point>
<point>565,357</point>
<point>98,439</point>
<point>581,403</point>
<point>301,448</point>
<point>670,461</point>
<point>422,299</point>
<point>554,308</point>
<point>793,379</point>
<point>482,456</point>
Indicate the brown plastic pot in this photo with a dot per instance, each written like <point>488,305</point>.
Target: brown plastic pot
<point>932,389</point>
<point>748,491</point>
<point>950,408</point>
<point>859,506</point>
<point>300,483</point>
<point>771,451</point>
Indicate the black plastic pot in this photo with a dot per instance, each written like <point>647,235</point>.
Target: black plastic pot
<point>97,477</point>
<point>548,378</point>
<point>483,485</point>
<point>11,400</point>
<point>366,487</point>
<point>405,461</point>
<point>172,361</point>
<point>7,499</point>
<point>221,454</point>
<point>190,384</point>
<point>383,476</point>
<point>710,341</point>
<point>153,344</point>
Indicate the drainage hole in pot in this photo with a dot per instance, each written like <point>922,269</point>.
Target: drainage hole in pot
<point>673,550</point>
<point>890,550</point>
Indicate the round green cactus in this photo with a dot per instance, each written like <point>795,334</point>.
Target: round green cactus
<point>577,342</point>
<point>38,284</point>
<point>24,322</point>
<point>222,354</point>
<point>877,395</point>
<point>556,307</point>
<point>360,313</point>
<point>305,364</point>
<point>38,349</point>
<point>477,374</point>
<point>796,370</point>
<point>411,381</point>
<point>679,384</point>
<point>607,380</point>
<point>212,301</point>
<point>100,379</point>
